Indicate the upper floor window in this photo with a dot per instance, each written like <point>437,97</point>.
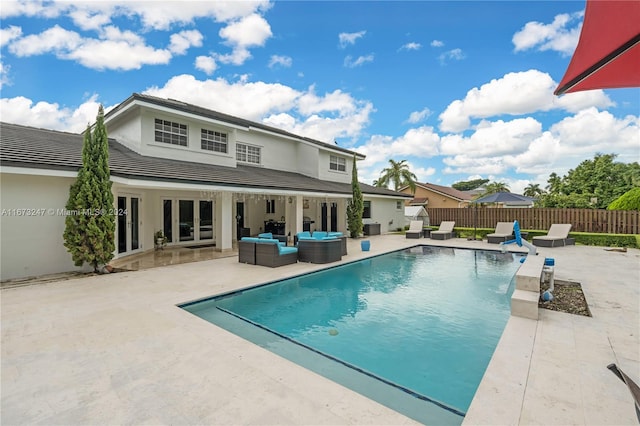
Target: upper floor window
<point>213,141</point>
<point>247,153</point>
<point>337,163</point>
<point>170,132</point>
<point>399,205</point>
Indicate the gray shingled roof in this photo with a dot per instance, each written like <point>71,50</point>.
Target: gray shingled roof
<point>29,147</point>
<point>215,115</point>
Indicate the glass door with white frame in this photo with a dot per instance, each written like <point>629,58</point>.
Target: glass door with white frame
<point>128,224</point>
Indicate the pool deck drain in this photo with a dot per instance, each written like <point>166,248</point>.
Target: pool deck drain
<point>115,349</point>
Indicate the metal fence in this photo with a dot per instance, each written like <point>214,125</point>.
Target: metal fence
<point>582,220</point>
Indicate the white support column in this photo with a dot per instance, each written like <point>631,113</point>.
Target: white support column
<point>224,221</point>
<point>298,213</point>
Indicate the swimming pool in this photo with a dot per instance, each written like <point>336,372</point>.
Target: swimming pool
<point>413,329</point>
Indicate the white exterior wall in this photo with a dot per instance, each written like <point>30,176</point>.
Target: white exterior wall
<point>325,173</point>
<point>385,210</point>
<point>33,245</point>
<point>193,152</point>
<point>275,153</point>
<point>127,130</point>
<point>307,160</point>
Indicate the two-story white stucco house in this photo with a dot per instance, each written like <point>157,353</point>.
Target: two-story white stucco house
<point>199,176</point>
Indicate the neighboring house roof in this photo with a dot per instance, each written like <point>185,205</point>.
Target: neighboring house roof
<point>419,201</point>
<point>443,190</point>
<point>28,147</point>
<point>507,198</point>
<point>218,116</point>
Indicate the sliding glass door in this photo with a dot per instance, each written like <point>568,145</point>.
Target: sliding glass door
<point>128,224</point>
<point>186,220</point>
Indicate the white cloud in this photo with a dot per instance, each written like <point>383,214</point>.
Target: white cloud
<point>93,14</point>
<point>123,50</point>
<point>8,34</point>
<point>283,61</point>
<point>4,75</point>
<point>349,62</point>
<point>249,31</point>
<point>494,138</point>
<point>346,39</point>
<point>421,142</point>
<point>454,54</point>
<point>207,64</point>
<point>55,39</point>
<point>516,93</point>
<point>411,46</point>
<point>182,41</point>
<point>326,118</point>
<point>437,43</point>
<point>418,116</point>
<point>21,110</point>
<point>521,146</point>
<point>557,36</point>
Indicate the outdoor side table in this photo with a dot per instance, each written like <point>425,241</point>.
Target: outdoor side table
<point>426,232</point>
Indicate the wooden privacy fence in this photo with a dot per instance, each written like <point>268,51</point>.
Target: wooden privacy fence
<point>582,220</point>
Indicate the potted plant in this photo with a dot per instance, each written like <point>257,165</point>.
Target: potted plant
<point>160,239</point>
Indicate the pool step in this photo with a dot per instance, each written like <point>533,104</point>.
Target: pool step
<point>524,301</point>
<point>524,304</point>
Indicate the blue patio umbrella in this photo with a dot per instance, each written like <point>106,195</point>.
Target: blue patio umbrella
<point>497,197</point>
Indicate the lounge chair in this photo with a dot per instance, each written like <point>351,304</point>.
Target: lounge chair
<point>558,235</point>
<point>503,232</point>
<point>444,232</point>
<point>415,229</point>
<point>633,387</point>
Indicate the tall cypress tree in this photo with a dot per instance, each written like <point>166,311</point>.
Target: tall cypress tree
<point>90,221</point>
<point>356,205</point>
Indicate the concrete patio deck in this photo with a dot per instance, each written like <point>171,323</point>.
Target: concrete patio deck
<point>115,349</point>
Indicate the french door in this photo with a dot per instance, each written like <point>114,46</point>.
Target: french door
<point>185,220</point>
<point>128,224</point>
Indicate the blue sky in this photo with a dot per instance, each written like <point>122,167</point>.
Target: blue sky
<point>459,89</point>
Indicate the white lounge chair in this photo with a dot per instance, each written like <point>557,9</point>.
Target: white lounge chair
<point>558,235</point>
<point>444,232</point>
<point>503,232</point>
<point>415,229</point>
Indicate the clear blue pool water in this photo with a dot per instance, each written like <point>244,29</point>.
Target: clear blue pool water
<point>421,323</point>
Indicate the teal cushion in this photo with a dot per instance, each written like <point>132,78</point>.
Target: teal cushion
<point>303,234</point>
<point>335,234</point>
<point>328,238</point>
<point>318,235</point>
<point>252,239</point>
<point>267,241</point>
<point>287,250</point>
<point>268,235</point>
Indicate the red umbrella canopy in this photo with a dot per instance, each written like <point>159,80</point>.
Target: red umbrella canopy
<point>608,51</point>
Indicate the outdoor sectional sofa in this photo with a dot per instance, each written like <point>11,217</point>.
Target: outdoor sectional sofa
<point>272,253</point>
<point>321,246</point>
<point>265,252</point>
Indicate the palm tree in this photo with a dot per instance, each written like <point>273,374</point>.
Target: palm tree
<point>494,187</point>
<point>399,174</point>
<point>533,190</point>
<point>554,183</point>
